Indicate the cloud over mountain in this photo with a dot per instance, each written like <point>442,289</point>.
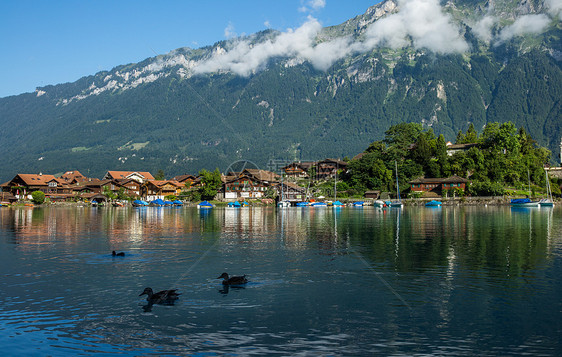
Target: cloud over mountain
<point>422,24</point>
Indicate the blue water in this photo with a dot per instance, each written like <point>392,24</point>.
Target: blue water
<point>460,281</point>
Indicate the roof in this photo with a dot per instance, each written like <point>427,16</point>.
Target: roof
<point>35,179</point>
<point>335,161</point>
<point>262,175</point>
<point>305,165</point>
<point>125,174</point>
<point>73,175</point>
<point>460,146</point>
<point>450,179</point>
<point>182,178</point>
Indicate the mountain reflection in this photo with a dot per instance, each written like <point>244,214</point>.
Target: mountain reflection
<point>504,241</point>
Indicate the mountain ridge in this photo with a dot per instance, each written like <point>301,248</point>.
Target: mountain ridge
<point>161,113</point>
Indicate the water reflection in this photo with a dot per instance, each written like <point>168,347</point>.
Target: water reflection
<point>345,281</point>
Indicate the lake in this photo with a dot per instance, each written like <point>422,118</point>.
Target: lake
<point>459,281</point>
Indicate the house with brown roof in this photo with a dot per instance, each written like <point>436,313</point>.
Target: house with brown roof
<point>328,168</point>
<point>23,184</point>
<point>244,186</point>
<point>139,176</point>
<point>158,189</point>
<point>298,169</point>
<point>73,177</point>
<point>437,185</point>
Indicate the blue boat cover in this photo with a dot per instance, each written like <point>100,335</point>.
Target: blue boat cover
<point>159,202</point>
<point>520,200</point>
<point>206,204</point>
<point>177,202</point>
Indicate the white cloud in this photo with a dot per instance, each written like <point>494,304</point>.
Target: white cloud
<point>555,7</point>
<point>244,58</point>
<point>418,23</point>
<point>421,22</point>
<point>229,31</point>
<point>483,28</point>
<point>312,5</point>
<point>528,24</point>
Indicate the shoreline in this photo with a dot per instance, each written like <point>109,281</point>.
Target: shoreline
<point>463,201</point>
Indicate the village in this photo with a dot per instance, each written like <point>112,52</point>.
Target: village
<point>296,182</point>
<point>250,184</point>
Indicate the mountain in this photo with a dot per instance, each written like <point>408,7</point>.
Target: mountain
<point>306,94</point>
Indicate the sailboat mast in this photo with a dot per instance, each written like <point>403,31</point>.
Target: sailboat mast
<point>397,187</point>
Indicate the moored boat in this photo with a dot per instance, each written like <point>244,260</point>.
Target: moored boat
<point>433,203</point>
<point>523,202</point>
<point>205,205</point>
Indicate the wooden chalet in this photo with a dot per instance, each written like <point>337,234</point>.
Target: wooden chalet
<point>22,185</point>
<point>327,168</point>
<point>158,189</point>
<point>186,180</point>
<point>437,185</point>
<point>244,186</point>
<point>298,169</point>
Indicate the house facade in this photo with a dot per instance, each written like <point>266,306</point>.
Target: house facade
<point>244,186</point>
<point>328,168</point>
<point>298,169</point>
<point>158,189</point>
<point>437,185</point>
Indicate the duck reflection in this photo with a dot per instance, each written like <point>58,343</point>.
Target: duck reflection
<point>226,288</point>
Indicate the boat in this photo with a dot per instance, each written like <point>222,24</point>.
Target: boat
<point>318,204</point>
<point>177,203</point>
<point>358,204</point>
<point>205,205</point>
<point>398,203</point>
<point>303,204</point>
<point>379,203</point>
<point>234,204</point>
<point>157,202</point>
<point>548,201</point>
<point>523,202</point>
<point>140,203</point>
<point>337,204</point>
<point>433,203</point>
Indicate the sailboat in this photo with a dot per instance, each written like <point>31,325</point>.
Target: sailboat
<point>547,202</point>
<point>283,202</point>
<point>398,203</point>
<point>524,202</point>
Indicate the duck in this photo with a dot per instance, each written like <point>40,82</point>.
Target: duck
<point>120,254</point>
<point>233,280</point>
<point>164,296</point>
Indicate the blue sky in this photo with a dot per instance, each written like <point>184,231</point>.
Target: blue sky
<point>51,42</point>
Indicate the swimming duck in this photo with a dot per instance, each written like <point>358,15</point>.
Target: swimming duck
<point>233,280</point>
<point>164,296</point>
<point>120,254</point>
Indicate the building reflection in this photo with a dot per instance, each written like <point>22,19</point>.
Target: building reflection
<point>412,238</point>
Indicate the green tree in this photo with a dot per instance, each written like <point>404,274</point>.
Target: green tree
<point>210,183</point>
<point>38,197</point>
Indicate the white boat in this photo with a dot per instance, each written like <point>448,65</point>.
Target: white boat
<point>283,204</point>
<point>548,201</point>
